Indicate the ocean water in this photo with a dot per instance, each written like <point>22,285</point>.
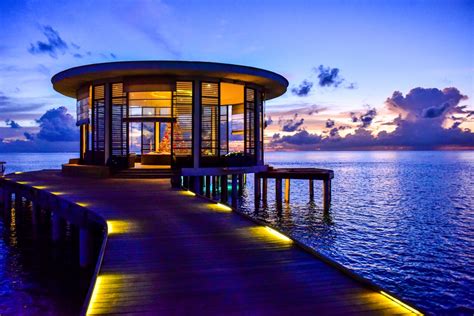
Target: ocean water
<point>404,220</point>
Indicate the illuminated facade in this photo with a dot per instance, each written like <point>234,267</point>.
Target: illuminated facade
<point>175,113</point>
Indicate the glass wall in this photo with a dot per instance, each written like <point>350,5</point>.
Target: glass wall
<point>161,122</point>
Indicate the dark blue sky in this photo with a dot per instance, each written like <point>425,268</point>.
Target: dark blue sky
<point>378,47</point>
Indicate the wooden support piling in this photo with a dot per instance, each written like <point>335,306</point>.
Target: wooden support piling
<point>326,195</point>
<point>224,196</point>
<point>7,203</point>
<point>256,189</point>
<point>215,183</point>
<point>235,191</point>
<point>278,192</point>
<point>311,190</point>
<point>287,190</point>
<point>208,186</point>
<point>241,184</point>
<point>264,190</point>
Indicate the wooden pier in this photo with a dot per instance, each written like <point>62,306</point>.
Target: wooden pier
<point>287,174</point>
<point>167,251</point>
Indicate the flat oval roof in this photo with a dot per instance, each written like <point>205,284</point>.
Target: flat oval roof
<point>67,82</point>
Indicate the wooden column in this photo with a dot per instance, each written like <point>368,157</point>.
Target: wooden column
<point>264,190</point>
<point>326,195</point>
<point>18,202</point>
<point>256,189</point>
<point>235,191</point>
<point>208,186</point>
<point>201,186</point>
<point>311,190</point>
<point>278,192</point>
<point>224,189</point>
<point>287,190</point>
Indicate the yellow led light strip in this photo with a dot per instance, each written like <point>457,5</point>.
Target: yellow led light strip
<point>411,309</point>
<point>278,234</point>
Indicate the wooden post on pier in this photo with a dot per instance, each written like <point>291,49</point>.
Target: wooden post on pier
<point>264,190</point>
<point>256,189</point>
<point>208,186</point>
<point>278,192</point>
<point>311,190</point>
<point>287,190</point>
<point>235,191</point>
<point>326,195</point>
<point>85,247</point>
<point>224,195</point>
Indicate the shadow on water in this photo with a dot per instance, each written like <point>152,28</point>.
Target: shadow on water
<point>38,276</point>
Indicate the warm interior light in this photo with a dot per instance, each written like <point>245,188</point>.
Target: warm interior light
<point>82,204</point>
<point>411,309</point>
<point>231,93</point>
<point>224,207</point>
<point>57,193</point>
<point>18,172</point>
<point>277,234</point>
<point>22,182</point>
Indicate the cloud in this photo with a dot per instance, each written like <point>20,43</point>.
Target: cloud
<point>328,77</point>
<point>11,106</point>
<point>57,133</point>
<point>303,89</point>
<point>12,123</point>
<point>426,103</point>
<point>54,44</point>
<point>418,126</point>
<point>58,125</point>
<point>365,118</point>
<point>330,123</point>
<point>291,125</point>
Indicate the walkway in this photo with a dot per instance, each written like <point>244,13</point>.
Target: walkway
<point>171,253</point>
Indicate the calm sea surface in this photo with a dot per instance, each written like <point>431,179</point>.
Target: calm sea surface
<point>404,220</point>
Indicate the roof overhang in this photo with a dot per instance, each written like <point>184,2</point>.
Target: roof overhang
<point>69,81</point>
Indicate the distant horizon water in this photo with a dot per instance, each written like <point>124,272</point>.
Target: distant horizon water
<point>402,219</point>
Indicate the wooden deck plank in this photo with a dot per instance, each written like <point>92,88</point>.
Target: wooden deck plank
<point>177,254</point>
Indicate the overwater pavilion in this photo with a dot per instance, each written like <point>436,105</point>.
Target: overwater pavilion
<point>179,114</point>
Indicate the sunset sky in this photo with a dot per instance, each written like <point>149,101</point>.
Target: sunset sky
<point>361,73</point>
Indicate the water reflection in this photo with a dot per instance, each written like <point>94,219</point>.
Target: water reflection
<point>402,219</point>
